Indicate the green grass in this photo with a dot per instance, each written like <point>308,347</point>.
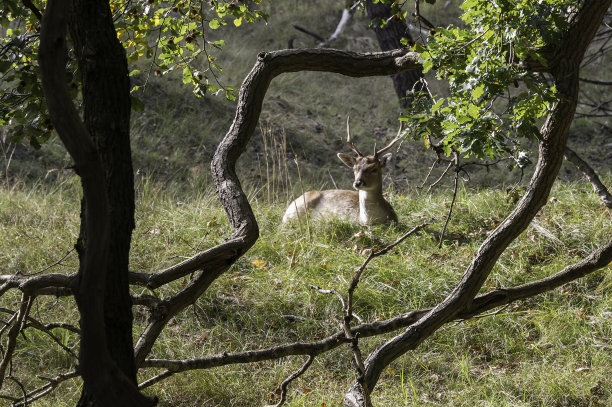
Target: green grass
<point>551,350</point>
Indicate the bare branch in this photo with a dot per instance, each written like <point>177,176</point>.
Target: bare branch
<point>52,383</point>
<point>598,187</point>
<point>344,20</point>
<point>17,326</point>
<point>43,284</point>
<point>482,303</point>
<point>450,209</point>
<point>43,328</point>
<point>33,9</point>
<point>436,182</point>
<point>330,291</point>
<point>347,14</point>
<point>308,32</point>
<point>21,387</point>
<point>155,379</point>
<point>58,262</point>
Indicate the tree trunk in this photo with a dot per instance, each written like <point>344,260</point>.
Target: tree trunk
<point>389,38</point>
<point>106,100</point>
<point>100,371</point>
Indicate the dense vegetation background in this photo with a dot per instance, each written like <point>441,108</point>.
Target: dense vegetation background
<point>553,350</point>
<point>304,114</point>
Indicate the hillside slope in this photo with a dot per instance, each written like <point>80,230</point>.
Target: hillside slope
<point>303,116</point>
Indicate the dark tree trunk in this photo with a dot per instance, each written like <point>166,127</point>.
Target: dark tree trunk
<point>106,100</point>
<point>102,373</point>
<point>389,38</point>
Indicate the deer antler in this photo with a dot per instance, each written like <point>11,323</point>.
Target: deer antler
<point>395,140</point>
<point>348,138</point>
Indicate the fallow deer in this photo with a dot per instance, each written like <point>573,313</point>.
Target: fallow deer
<point>365,205</point>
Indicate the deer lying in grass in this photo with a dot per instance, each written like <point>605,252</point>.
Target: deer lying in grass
<point>366,205</point>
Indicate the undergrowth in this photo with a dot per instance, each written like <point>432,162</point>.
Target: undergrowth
<point>551,350</point>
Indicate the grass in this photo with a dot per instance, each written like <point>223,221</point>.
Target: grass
<point>552,350</point>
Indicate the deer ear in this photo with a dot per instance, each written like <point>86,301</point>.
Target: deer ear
<point>347,159</point>
<point>385,160</point>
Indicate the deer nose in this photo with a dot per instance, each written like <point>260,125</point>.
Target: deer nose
<point>358,183</point>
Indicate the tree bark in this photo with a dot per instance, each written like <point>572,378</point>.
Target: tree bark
<point>106,100</point>
<point>389,38</point>
<point>109,385</point>
<point>598,187</point>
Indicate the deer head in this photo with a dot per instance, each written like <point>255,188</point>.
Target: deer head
<point>367,169</point>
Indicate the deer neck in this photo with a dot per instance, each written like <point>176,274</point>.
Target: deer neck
<point>372,206</point>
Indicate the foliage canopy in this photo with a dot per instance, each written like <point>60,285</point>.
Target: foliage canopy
<point>493,101</point>
<point>171,36</point>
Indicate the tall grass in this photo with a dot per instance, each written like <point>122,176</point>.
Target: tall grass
<point>552,350</point>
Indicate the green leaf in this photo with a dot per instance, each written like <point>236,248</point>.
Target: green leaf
<point>477,92</point>
<point>427,65</point>
<point>187,75</point>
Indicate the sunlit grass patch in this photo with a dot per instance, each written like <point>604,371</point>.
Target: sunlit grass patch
<point>551,350</point>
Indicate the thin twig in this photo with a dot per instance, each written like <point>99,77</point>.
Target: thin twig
<point>52,383</point>
<point>330,291</point>
<point>450,210</point>
<point>38,325</point>
<point>23,390</point>
<point>57,263</point>
<point>429,173</point>
<point>287,381</point>
<point>348,314</point>
<point>32,8</point>
<point>450,164</point>
<point>155,379</point>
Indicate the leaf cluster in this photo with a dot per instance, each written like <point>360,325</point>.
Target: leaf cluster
<point>22,104</point>
<point>174,36</point>
<point>493,101</point>
<point>171,36</point>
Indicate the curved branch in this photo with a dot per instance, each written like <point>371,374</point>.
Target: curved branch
<point>13,332</point>
<point>287,381</point>
<point>554,135</point>
<point>215,261</point>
